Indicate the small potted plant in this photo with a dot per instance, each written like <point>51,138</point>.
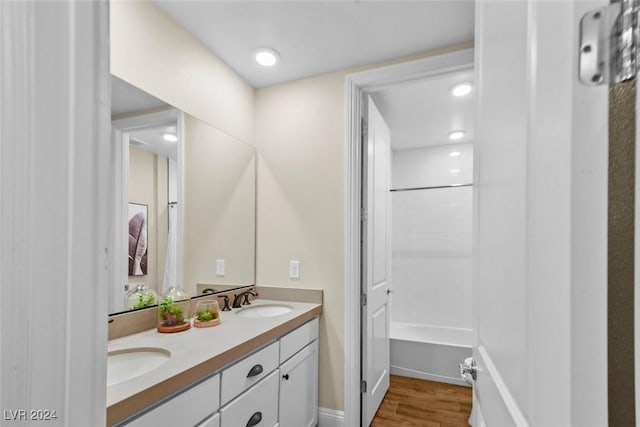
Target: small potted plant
<point>171,311</point>
<point>140,297</point>
<point>207,314</point>
<point>145,301</point>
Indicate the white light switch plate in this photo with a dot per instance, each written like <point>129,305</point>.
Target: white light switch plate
<point>219,267</point>
<point>294,269</point>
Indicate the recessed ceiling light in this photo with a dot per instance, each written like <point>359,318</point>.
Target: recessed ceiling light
<point>456,134</point>
<point>266,57</point>
<point>170,137</point>
<point>461,89</point>
<point>454,154</point>
<point>454,171</point>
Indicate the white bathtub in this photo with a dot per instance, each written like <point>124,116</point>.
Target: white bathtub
<point>429,352</point>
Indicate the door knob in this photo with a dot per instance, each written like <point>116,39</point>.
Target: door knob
<point>469,370</point>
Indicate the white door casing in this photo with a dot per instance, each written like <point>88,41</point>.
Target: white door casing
<point>376,280</point>
<point>54,212</point>
<point>369,81</point>
<point>120,197</point>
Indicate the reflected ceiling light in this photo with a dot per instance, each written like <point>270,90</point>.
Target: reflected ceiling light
<point>266,57</point>
<point>454,154</point>
<point>456,135</point>
<point>170,137</point>
<point>461,89</point>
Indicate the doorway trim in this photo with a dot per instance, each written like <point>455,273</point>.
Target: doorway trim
<point>357,84</point>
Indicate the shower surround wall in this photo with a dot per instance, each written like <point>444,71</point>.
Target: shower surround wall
<point>431,259</point>
<point>431,240</point>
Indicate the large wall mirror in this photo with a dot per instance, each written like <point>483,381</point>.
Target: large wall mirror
<point>184,202</point>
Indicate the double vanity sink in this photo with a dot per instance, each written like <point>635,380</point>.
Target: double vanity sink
<point>127,364</point>
<point>148,367</point>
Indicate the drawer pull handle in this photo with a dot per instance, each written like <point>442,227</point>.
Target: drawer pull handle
<point>255,419</point>
<point>256,370</point>
<point>286,377</point>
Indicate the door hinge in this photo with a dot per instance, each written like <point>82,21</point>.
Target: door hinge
<point>363,299</point>
<point>363,127</point>
<point>363,214</point>
<point>609,43</point>
<point>363,386</point>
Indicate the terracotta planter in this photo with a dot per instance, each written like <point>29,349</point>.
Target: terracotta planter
<point>205,323</point>
<point>175,328</point>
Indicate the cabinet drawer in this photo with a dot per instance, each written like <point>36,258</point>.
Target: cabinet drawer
<point>247,372</point>
<point>258,406</point>
<point>187,408</point>
<point>297,339</point>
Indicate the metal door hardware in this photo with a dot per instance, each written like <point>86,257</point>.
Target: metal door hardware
<point>609,43</point>
<point>469,370</point>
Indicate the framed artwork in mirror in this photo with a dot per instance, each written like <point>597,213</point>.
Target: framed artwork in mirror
<point>137,239</point>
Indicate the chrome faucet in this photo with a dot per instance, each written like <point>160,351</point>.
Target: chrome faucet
<point>237,299</point>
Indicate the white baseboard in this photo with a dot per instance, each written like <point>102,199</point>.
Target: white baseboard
<point>404,372</point>
<point>330,418</point>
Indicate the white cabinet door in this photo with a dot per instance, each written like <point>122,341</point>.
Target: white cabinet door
<point>299,389</point>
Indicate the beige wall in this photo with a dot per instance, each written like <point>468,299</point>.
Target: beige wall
<point>219,206</point>
<point>150,51</point>
<point>300,133</point>
<point>300,137</point>
<point>148,186</point>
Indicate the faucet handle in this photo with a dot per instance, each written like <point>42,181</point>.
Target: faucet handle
<point>225,299</point>
<point>246,297</point>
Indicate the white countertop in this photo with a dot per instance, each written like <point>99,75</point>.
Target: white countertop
<point>197,345</point>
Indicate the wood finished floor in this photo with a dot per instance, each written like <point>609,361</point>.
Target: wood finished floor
<point>414,402</point>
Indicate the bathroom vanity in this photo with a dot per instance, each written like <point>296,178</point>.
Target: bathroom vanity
<point>258,368</point>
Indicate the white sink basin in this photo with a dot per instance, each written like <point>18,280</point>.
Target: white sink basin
<point>123,365</point>
<point>266,310</point>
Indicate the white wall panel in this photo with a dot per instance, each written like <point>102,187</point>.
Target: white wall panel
<point>432,257</point>
<point>429,167</point>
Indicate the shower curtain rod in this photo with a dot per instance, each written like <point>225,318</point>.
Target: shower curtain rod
<point>432,188</point>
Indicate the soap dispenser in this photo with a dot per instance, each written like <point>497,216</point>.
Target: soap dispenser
<point>173,311</point>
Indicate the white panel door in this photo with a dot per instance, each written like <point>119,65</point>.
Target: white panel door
<point>375,261</point>
<point>539,221</point>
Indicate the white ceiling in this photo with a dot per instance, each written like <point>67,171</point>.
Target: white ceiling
<point>423,113</point>
<point>315,37</point>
